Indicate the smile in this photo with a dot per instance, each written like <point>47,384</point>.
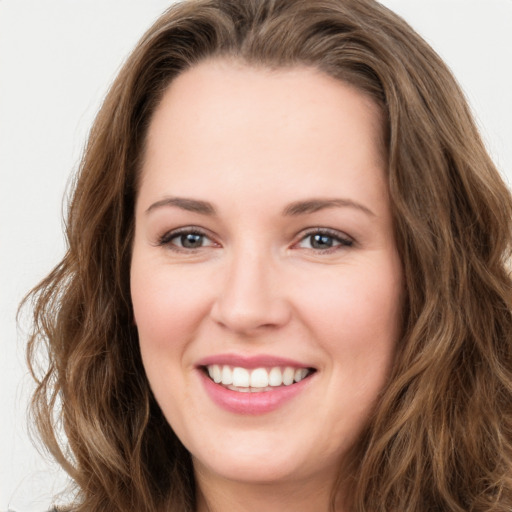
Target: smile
<point>257,384</point>
<point>237,378</point>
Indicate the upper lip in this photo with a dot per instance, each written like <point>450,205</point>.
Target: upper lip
<point>250,362</point>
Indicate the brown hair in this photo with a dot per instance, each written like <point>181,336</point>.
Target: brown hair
<point>441,436</point>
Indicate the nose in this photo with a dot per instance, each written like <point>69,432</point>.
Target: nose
<point>251,299</point>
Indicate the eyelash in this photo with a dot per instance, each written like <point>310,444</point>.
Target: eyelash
<point>340,240</point>
<point>167,238</point>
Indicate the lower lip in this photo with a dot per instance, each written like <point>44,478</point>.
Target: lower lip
<point>259,402</point>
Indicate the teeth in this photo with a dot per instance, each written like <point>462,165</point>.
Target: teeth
<point>215,373</point>
<point>300,373</point>
<point>242,379</point>
<point>288,376</point>
<point>227,375</point>
<point>275,377</point>
<point>259,378</point>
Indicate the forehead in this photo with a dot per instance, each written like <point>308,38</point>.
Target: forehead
<point>232,121</point>
<point>217,88</point>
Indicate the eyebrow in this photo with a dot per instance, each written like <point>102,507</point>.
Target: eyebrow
<point>190,205</point>
<point>293,209</point>
<point>314,205</point>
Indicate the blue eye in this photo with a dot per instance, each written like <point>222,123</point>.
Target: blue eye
<point>185,239</point>
<point>190,240</point>
<point>322,240</point>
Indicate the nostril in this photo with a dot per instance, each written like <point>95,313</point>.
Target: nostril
<point>247,316</point>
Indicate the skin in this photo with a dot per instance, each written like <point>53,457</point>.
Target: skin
<point>251,142</point>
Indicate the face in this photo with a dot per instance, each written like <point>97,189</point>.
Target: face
<point>265,278</point>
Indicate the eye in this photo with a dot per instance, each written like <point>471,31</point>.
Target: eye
<point>189,240</point>
<point>186,239</point>
<point>324,240</point>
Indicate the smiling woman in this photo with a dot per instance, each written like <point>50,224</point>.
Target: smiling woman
<point>287,279</point>
<point>289,297</point>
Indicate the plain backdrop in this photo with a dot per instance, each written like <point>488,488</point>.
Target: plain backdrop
<point>57,59</point>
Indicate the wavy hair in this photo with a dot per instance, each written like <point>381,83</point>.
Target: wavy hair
<point>440,437</point>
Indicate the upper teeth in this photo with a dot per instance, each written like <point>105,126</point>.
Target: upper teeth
<point>258,378</point>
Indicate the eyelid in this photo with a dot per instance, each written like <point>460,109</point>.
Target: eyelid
<point>165,239</point>
<point>345,241</point>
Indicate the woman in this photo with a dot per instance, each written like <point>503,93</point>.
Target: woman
<point>287,279</point>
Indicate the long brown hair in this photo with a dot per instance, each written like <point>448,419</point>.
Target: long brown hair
<point>441,436</point>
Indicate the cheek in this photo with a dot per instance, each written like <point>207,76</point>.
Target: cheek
<point>356,300</point>
<point>168,309</point>
<point>168,306</point>
<point>355,316</point>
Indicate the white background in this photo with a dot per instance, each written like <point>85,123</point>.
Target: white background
<point>57,58</point>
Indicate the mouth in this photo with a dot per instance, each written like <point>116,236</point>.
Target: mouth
<point>255,380</point>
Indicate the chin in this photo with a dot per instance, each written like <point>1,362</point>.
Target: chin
<point>265,459</point>
<point>251,470</point>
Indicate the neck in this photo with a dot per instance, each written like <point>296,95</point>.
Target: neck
<point>216,494</point>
